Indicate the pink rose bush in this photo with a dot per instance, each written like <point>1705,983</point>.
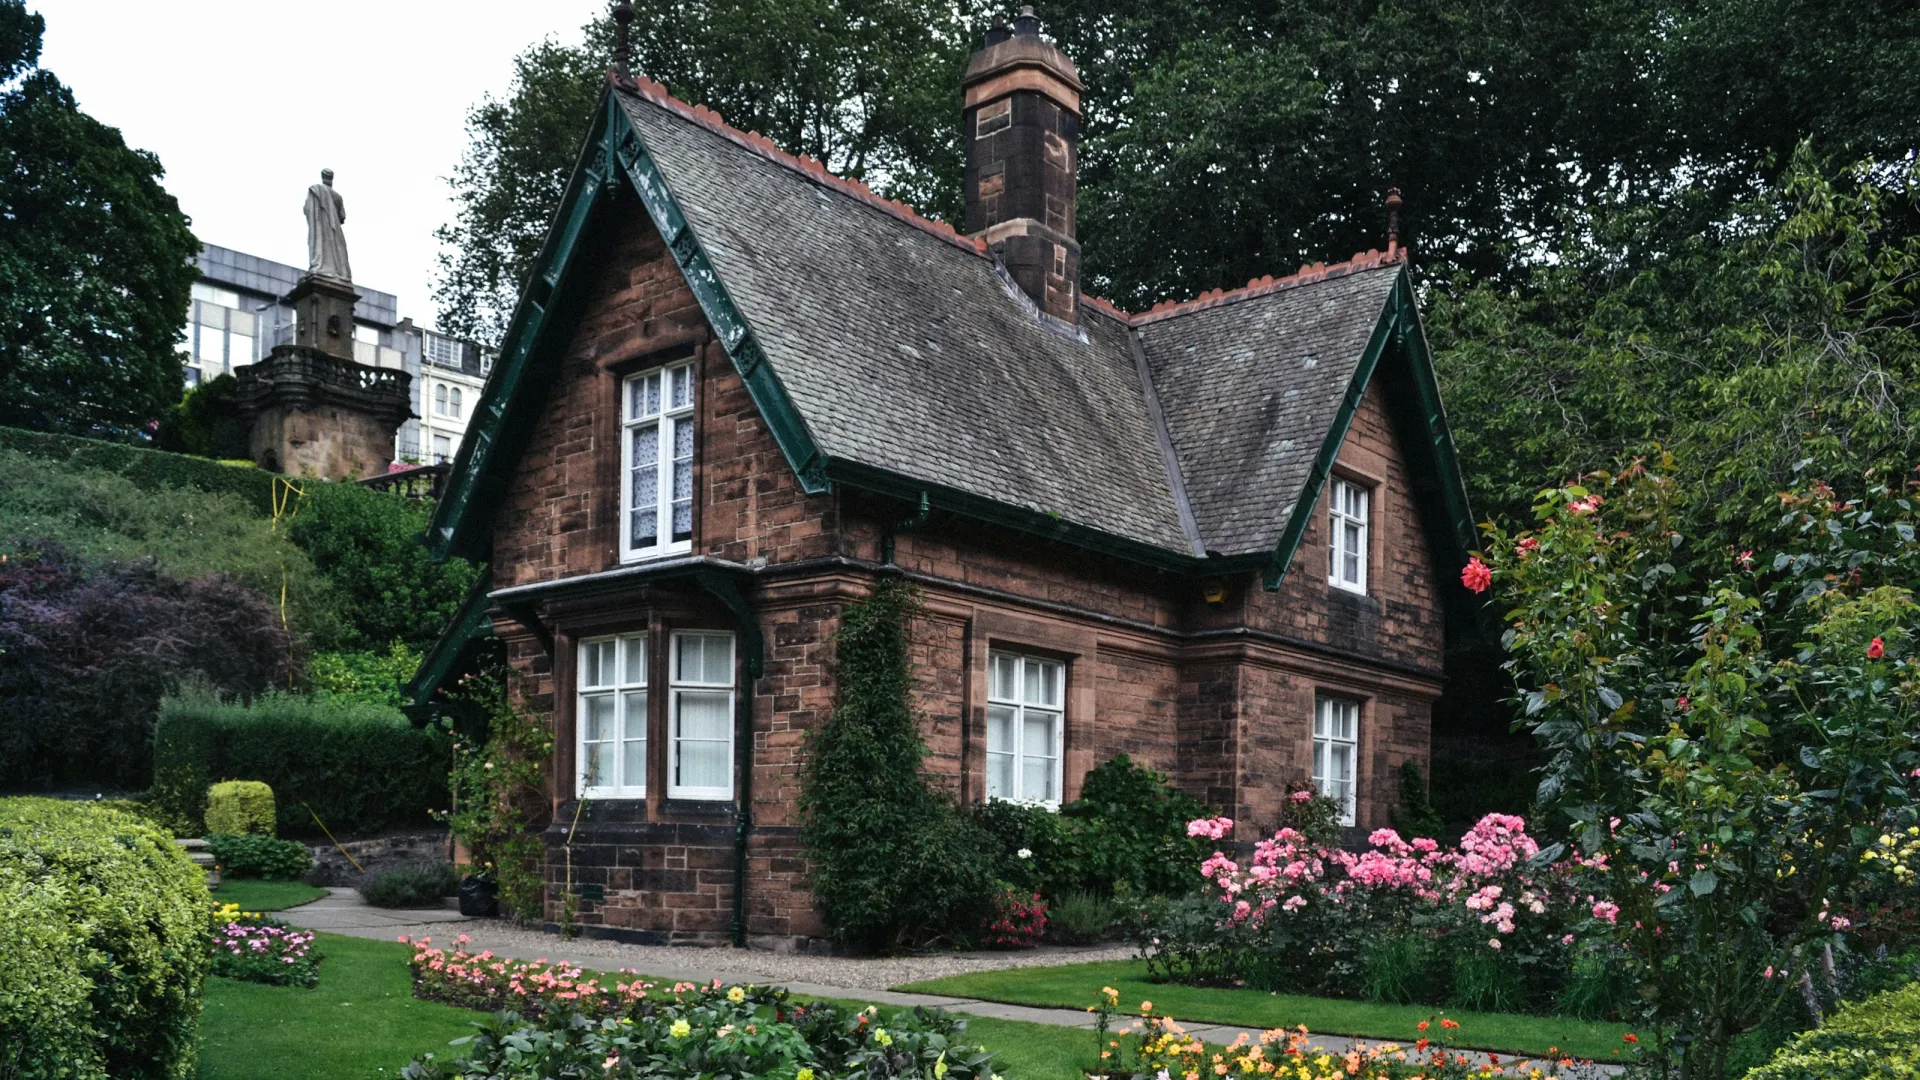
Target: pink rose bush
<point>1314,918</point>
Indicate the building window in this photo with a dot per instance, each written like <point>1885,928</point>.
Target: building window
<point>1336,747</point>
<point>657,462</point>
<point>443,351</point>
<point>700,765</point>
<point>611,756</point>
<point>1025,701</point>
<point>442,449</point>
<point>453,403</point>
<point>440,399</point>
<point>1348,538</point>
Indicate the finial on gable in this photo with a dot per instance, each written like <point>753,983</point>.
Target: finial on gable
<point>1393,223</point>
<point>623,39</point>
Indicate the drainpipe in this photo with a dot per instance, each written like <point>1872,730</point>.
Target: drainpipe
<point>907,525</point>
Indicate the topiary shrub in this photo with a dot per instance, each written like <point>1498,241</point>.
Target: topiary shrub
<point>1868,1040</point>
<point>240,806</point>
<point>410,885</point>
<point>258,855</point>
<point>104,945</point>
<point>359,767</point>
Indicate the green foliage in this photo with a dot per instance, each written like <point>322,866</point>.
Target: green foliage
<point>878,835</point>
<point>1082,917</point>
<point>1129,831</point>
<point>207,423</point>
<point>410,886</point>
<point>93,294</point>
<point>498,790</point>
<point>258,855</point>
<point>105,944</point>
<point>367,544</point>
<point>1399,969</point>
<point>253,947</point>
<point>360,768</point>
<point>1415,815</point>
<point>378,678</point>
<point>148,470</point>
<point>1874,1039</point>
<point>1730,731</point>
<point>240,806</point>
<point>1313,815</point>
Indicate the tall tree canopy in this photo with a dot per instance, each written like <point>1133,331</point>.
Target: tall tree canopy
<point>95,258</point>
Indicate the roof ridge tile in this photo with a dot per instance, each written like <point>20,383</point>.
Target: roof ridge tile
<point>642,87</point>
<point>1263,286</point>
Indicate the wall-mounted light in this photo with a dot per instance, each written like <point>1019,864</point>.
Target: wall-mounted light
<point>1214,590</point>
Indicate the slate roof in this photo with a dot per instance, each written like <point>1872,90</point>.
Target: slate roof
<point>903,348</point>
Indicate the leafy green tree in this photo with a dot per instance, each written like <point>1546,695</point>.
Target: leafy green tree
<point>366,544</point>
<point>206,422</point>
<point>95,264</point>
<point>1730,735</point>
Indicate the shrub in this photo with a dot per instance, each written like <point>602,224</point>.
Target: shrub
<point>894,862</point>
<point>86,655</point>
<point>240,806</point>
<point>1128,831</point>
<point>207,422</point>
<point>147,470</point>
<point>1082,917</point>
<point>359,768</point>
<point>1878,1037</point>
<point>410,885</point>
<point>1399,969</point>
<point>1032,846</point>
<point>366,543</point>
<point>1017,921</point>
<point>104,944</point>
<point>378,678</point>
<point>259,855</point>
<point>257,948</point>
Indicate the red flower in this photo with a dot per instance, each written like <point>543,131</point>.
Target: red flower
<point>1527,546</point>
<point>1876,650</point>
<point>1746,560</point>
<point>1449,1025</point>
<point>1685,705</point>
<point>1630,1037</point>
<point>1421,1026</point>
<point>1476,576</point>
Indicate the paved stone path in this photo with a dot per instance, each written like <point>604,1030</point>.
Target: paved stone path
<point>344,912</point>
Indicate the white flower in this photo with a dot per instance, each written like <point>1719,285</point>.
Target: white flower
<point>1023,853</point>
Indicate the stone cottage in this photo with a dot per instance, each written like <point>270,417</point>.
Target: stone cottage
<point>1217,536</point>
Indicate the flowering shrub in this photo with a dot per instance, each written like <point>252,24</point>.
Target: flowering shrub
<point>1017,922</point>
<point>711,1031</point>
<point>1316,919</point>
<point>258,948</point>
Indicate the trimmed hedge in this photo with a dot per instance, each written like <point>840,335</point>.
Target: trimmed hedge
<point>147,469</point>
<point>1874,1039</point>
<point>239,807</point>
<point>104,945</point>
<point>258,855</point>
<point>361,767</point>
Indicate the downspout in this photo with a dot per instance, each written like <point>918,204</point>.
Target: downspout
<point>913,524</point>
<point>752,663</point>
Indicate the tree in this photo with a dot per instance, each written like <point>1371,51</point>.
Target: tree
<point>95,265</point>
<point>206,422</point>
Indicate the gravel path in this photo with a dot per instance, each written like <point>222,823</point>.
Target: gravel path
<point>757,965</point>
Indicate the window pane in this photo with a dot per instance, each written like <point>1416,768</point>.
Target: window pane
<point>597,724</point>
<point>999,729</point>
<point>1000,776</point>
<point>702,765</point>
<point>1036,778</point>
<point>1036,736</point>
<point>593,765</point>
<point>703,714</point>
<point>208,349</point>
<point>682,386</point>
<point>1002,678</point>
<point>633,759</point>
<point>646,528</point>
<point>1340,762</point>
<point>240,349</point>
<point>643,397</point>
<point>636,666</point>
<point>683,479</point>
<point>646,451</point>
<point>704,658</point>
<point>590,668</point>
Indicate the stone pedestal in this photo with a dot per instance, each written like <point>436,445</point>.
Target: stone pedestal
<point>314,413</point>
<point>323,315</point>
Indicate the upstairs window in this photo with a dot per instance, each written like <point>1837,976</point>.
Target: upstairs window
<point>1347,539</point>
<point>656,455</point>
<point>701,762</point>
<point>453,403</point>
<point>1336,747</point>
<point>1026,699</point>
<point>440,398</point>
<point>611,752</point>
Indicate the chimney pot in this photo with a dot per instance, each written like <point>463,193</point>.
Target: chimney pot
<point>1026,24</point>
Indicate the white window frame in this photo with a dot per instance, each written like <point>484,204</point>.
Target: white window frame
<point>627,679</point>
<point>678,689</point>
<point>1021,700</point>
<point>1349,505</point>
<point>454,402</point>
<point>1336,722</point>
<point>669,418</point>
<point>440,399</point>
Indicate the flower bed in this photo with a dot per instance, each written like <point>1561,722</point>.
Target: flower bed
<point>556,1020</point>
<point>258,948</point>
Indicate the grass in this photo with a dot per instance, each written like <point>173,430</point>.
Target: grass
<point>1076,985</point>
<point>256,894</point>
<point>360,1023</point>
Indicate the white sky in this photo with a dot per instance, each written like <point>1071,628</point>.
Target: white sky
<point>234,95</point>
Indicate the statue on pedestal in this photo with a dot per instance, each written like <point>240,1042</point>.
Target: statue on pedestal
<point>326,241</point>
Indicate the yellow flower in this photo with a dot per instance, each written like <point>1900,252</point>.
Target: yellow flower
<point>803,1074</point>
<point>736,995</point>
<point>940,1066</point>
<point>880,1036</point>
<point>680,1029</point>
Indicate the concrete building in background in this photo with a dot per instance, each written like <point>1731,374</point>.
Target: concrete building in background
<point>240,312</point>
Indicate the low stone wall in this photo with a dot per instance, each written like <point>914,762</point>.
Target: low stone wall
<point>330,867</point>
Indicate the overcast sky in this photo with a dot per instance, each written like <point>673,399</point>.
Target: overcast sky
<point>245,101</point>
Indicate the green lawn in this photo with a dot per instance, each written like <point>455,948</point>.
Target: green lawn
<point>1076,986</point>
<point>362,1022</point>
<point>253,894</point>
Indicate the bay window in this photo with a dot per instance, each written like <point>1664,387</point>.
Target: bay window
<point>611,718</point>
<point>1336,749</point>
<point>700,765</point>
<point>1025,704</point>
<point>656,454</point>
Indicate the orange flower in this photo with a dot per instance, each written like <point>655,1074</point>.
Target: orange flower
<point>1449,1025</point>
<point>1421,1026</point>
<point>1630,1037</point>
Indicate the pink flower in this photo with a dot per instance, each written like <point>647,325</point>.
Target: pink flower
<point>1211,828</point>
<point>1493,943</point>
<point>1301,796</point>
<point>1746,560</point>
<point>1877,649</point>
<point>1767,974</point>
<point>1476,577</point>
<point>1841,923</point>
<point>1607,910</point>
<point>1587,505</point>
<point>1567,939</point>
<point>1526,546</point>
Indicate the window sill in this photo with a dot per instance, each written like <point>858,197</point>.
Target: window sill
<point>653,554</point>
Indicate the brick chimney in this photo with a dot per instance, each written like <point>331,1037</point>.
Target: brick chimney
<point>1023,136</point>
